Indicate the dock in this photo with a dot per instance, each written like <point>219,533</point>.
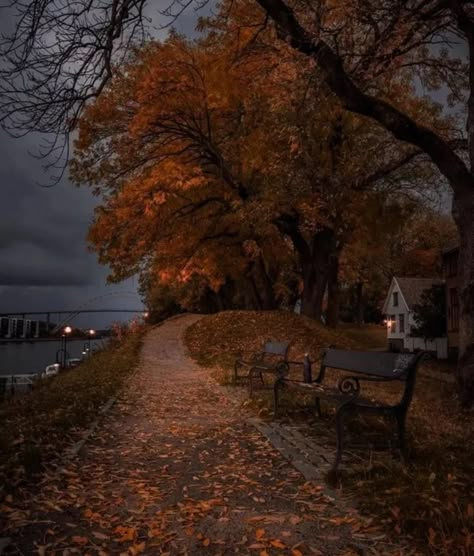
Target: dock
<point>11,385</point>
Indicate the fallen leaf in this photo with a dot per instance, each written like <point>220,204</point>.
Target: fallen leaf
<point>100,536</point>
<point>80,540</point>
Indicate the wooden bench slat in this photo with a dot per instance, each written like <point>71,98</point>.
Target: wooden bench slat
<point>368,362</point>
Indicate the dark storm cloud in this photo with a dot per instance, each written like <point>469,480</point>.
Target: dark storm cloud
<point>44,260</point>
<point>42,230</point>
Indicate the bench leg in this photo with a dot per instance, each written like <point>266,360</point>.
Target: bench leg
<point>235,377</point>
<point>250,376</point>
<point>276,399</point>
<point>339,436</point>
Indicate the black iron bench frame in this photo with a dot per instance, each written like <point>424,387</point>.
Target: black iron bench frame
<point>368,366</point>
<point>271,359</point>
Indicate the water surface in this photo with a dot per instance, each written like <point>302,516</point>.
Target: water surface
<point>32,357</point>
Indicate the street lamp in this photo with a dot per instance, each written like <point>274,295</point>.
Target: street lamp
<point>67,331</point>
<point>91,335</point>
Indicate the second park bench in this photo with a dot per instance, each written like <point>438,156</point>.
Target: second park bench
<point>367,367</point>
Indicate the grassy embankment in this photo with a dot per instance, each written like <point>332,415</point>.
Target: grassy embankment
<point>432,497</point>
<point>36,427</point>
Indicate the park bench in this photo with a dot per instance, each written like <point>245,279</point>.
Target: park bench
<point>251,366</point>
<point>366,366</point>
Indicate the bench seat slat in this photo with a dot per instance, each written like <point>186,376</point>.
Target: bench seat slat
<point>381,364</point>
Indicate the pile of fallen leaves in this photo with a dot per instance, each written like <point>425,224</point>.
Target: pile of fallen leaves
<point>431,498</point>
<point>215,339</point>
<point>35,427</point>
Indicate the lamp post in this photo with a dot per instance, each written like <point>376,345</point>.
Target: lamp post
<point>67,331</point>
<point>91,334</point>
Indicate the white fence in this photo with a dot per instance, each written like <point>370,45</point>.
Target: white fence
<point>438,345</point>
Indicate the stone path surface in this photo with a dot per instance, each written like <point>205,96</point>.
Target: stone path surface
<point>178,467</point>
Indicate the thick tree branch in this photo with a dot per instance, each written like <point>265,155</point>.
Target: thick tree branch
<point>353,99</point>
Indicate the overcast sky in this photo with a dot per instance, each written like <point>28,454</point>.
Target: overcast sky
<point>44,261</point>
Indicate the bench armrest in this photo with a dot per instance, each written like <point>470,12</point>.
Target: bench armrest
<point>250,356</point>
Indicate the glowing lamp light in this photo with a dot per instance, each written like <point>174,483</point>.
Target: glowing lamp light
<point>146,314</point>
<point>67,330</point>
<point>91,332</point>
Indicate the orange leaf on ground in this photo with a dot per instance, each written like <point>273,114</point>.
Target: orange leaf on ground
<point>126,533</point>
<point>80,540</point>
<point>137,548</point>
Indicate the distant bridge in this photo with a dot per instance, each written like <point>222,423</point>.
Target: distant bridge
<point>26,324</point>
<point>23,314</point>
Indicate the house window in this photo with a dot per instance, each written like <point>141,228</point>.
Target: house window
<point>395,299</point>
<point>453,309</point>
<point>401,319</point>
<point>393,318</point>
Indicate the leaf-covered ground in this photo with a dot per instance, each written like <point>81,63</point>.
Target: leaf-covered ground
<point>215,339</point>
<point>176,468</point>
<point>34,428</point>
<point>431,499</point>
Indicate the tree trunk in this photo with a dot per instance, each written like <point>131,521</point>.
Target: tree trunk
<point>333,291</point>
<point>463,212</point>
<point>315,280</point>
<point>360,303</point>
<point>254,301</point>
<point>316,273</point>
<point>267,294</point>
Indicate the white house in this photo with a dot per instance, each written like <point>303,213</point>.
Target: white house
<point>403,295</point>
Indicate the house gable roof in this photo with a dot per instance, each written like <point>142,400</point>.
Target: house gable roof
<point>393,283</point>
<point>412,288</point>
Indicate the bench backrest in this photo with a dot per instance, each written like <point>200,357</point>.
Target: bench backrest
<point>384,365</point>
<point>276,349</point>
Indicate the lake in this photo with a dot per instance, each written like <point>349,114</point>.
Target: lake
<point>32,357</point>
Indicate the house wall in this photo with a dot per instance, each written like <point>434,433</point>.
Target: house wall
<point>394,312</point>
<point>451,276</point>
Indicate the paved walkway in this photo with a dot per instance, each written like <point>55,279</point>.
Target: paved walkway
<point>177,468</point>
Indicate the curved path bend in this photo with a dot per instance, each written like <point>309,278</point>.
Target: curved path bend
<point>177,468</point>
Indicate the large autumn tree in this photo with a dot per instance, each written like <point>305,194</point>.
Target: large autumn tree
<point>401,38</point>
<point>177,147</point>
<point>361,49</point>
